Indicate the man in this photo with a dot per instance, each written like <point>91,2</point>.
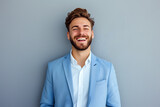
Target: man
<point>80,79</point>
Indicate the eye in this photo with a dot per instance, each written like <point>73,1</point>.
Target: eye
<point>86,28</point>
<point>75,29</point>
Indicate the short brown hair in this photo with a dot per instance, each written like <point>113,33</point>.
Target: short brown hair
<point>78,12</point>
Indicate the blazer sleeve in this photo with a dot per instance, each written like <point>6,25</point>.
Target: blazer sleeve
<point>47,98</point>
<point>113,97</point>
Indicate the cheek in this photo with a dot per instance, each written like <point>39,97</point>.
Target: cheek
<point>75,33</point>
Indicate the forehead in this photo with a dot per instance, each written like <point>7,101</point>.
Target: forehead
<point>80,22</point>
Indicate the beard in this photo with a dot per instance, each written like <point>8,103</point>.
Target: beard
<point>82,47</point>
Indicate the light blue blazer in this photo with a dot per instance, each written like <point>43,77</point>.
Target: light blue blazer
<point>58,87</point>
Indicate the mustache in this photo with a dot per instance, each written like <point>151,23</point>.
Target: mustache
<point>85,36</point>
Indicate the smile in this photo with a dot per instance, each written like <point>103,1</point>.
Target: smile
<point>81,39</point>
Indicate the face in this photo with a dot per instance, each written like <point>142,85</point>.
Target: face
<point>80,33</point>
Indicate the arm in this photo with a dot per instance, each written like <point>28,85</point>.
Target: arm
<point>47,98</point>
<point>113,97</point>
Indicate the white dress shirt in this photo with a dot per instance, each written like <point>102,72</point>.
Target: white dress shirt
<point>80,77</point>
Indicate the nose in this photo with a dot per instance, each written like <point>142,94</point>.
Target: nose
<point>81,32</point>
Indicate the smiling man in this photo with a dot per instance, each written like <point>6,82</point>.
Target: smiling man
<point>80,79</point>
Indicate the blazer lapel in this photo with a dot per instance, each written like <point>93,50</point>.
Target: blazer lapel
<point>68,74</point>
<point>93,78</point>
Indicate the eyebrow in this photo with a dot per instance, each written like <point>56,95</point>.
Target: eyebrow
<point>86,26</point>
<point>74,26</point>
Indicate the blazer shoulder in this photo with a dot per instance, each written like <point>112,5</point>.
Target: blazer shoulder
<point>103,62</point>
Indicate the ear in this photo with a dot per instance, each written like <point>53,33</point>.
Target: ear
<point>68,35</point>
<point>92,34</point>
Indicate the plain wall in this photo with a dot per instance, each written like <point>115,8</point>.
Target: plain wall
<point>32,33</point>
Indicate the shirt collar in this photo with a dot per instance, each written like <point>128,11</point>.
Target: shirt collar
<point>73,61</point>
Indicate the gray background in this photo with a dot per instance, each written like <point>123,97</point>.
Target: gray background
<point>32,33</point>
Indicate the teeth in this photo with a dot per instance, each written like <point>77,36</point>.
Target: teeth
<point>82,39</point>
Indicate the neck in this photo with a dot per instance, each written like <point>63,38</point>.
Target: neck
<point>80,56</point>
